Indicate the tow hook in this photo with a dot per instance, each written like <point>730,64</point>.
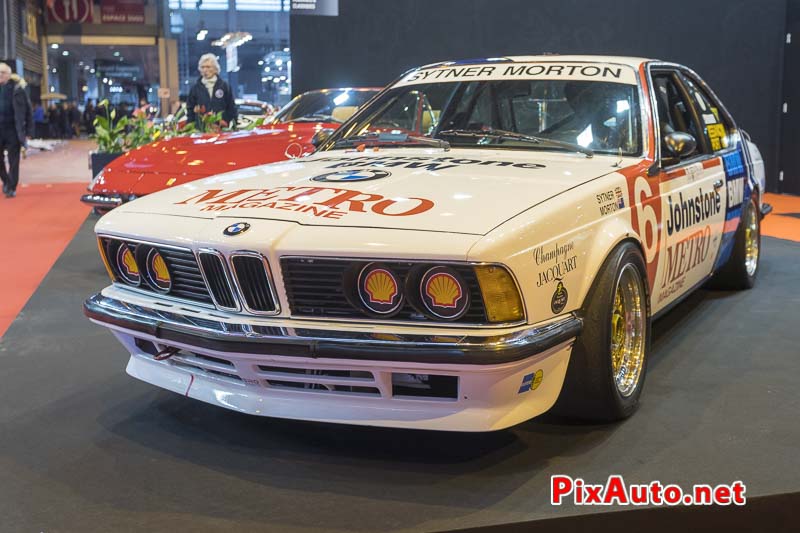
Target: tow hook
<point>166,353</point>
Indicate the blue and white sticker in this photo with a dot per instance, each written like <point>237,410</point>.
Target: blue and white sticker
<point>531,381</point>
<point>352,175</point>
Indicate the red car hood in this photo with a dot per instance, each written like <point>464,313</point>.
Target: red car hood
<point>163,164</point>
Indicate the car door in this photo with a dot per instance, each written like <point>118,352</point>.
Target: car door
<point>728,144</point>
<point>692,189</point>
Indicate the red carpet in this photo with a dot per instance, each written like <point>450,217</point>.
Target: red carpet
<point>35,227</point>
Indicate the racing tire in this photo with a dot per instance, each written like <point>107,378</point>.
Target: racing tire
<point>608,364</point>
<point>741,269</point>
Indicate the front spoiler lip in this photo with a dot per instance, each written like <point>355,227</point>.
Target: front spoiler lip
<point>315,343</point>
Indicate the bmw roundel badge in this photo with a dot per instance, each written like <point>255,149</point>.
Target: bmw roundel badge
<point>236,229</point>
<point>356,174</point>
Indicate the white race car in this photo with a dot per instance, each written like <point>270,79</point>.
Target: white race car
<point>482,241</point>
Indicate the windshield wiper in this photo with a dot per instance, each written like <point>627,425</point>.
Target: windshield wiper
<point>393,138</point>
<point>316,117</point>
<point>514,136</point>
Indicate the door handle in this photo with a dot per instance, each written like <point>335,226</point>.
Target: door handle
<point>718,184</point>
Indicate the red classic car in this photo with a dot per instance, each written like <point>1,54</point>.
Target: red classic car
<point>163,164</point>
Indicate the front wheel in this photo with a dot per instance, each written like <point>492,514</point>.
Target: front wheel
<point>607,368</point>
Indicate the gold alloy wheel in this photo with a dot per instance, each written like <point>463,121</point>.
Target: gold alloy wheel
<point>751,240</point>
<point>628,323</point>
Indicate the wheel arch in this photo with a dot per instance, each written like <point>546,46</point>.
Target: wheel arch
<point>608,237</point>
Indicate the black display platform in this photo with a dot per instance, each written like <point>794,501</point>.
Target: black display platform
<point>84,447</point>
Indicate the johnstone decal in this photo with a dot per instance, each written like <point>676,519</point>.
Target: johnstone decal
<point>431,164</point>
<point>352,175</point>
<point>324,202</point>
<point>681,258</point>
<point>686,212</point>
<point>531,381</point>
<point>379,289</point>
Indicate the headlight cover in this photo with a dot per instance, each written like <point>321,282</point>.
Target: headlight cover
<point>501,296</point>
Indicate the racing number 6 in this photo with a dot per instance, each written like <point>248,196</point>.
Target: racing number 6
<point>646,218</point>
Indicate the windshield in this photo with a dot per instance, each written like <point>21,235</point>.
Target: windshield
<point>598,115</point>
<point>334,105</point>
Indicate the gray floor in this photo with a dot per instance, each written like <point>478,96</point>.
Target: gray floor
<point>83,447</point>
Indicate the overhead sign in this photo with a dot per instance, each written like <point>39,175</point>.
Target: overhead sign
<point>122,11</point>
<point>328,8</point>
<point>66,11</point>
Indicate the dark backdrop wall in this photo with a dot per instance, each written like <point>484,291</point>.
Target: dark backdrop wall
<point>735,45</point>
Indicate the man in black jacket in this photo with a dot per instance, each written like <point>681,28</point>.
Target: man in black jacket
<point>16,125</point>
<point>210,94</point>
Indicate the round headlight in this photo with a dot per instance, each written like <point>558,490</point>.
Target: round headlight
<point>158,275</point>
<point>444,293</point>
<point>379,289</point>
<point>128,269</point>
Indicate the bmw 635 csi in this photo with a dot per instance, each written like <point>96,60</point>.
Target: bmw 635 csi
<point>485,240</point>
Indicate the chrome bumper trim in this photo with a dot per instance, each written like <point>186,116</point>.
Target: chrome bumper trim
<point>435,348</point>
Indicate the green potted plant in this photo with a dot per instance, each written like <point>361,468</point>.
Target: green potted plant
<point>110,137</point>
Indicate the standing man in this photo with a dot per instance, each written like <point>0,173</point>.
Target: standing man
<point>210,94</point>
<point>16,125</point>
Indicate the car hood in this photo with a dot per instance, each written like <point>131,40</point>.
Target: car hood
<point>458,191</point>
<point>209,154</point>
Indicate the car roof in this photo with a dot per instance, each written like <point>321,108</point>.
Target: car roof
<point>634,62</point>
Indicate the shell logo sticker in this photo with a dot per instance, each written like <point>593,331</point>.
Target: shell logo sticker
<point>379,289</point>
<point>443,293</point>
<point>157,272</point>
<point>126,265</point>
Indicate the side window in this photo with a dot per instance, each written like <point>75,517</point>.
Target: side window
<point>674,113</point>
<point>716,128</point>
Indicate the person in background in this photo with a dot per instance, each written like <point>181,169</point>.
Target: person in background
<point>64,127</point>
<point>143,109</point>
<point>39,121</point>
<point>89,114</point>
<point>74,119</point>
<point>16,125</point>
<point>210,94</point>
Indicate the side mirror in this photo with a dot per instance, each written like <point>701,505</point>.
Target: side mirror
<point>321,136</point>
<point>679,144</point>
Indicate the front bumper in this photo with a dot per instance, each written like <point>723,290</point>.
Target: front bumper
<point>345,376</point>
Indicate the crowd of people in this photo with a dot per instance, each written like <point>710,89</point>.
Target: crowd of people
<point>66,120</point>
